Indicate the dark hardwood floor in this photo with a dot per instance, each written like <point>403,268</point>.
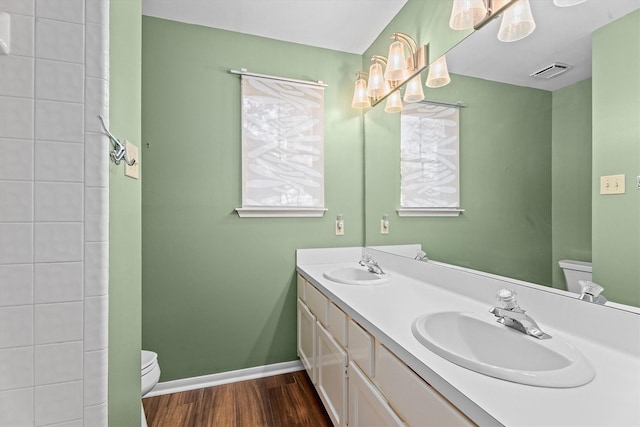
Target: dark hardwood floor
<point>279,401</point>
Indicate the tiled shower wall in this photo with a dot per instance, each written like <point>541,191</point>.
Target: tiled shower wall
<point>54,214</point>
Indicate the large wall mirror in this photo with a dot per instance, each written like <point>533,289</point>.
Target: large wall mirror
<point>529,164</point>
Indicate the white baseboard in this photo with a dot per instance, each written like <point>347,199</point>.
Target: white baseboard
<point>194,383</point>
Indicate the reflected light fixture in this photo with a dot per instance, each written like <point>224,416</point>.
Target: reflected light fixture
<point>394,103</point>
<point>466,14</point>
<point>413,91</point>
<point>438,73</point>
<point>377,87</point>
<point>517,22</point>
<point>567,3</point>
<point>360,98</point>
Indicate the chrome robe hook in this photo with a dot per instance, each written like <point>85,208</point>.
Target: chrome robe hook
<point>119,151</point>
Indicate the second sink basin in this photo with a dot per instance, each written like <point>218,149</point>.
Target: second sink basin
<point>475,341</point>
<point>356,276</point>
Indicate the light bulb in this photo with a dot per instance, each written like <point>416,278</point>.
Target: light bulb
<point>377,87</point>
<point>360,98</point>
<point>396,63</point>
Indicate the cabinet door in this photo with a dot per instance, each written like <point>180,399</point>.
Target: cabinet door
<point>367,407</point>
<point>331,363</point>
<point>307,339</point>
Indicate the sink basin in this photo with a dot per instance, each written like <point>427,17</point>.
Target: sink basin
<point>477,342</point>
<point>356,276</point>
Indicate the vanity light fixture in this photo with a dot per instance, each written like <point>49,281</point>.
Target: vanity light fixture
<point>377,86</point>
<point>438,73</point>
<point>517,20</point>
<point>360,98</point>
<point>5,33</point>
<point>413,91</point>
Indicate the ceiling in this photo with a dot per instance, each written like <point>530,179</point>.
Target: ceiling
<point>562,34</point>
<point>342,25</point>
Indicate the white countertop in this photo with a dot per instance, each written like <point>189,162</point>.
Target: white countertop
<point>609,338</point>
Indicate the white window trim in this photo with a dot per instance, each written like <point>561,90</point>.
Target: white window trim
<point>280,212</point>
<point>415,212</point>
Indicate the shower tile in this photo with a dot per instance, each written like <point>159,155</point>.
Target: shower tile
<point>97,11</point>
<point>16,326</point>
<point>59,121</point>
<point>56,363</point>
<point>58,282</point>
<point>16,161</point>
<point>96,416</point>
<point>22,34</point>
<point>61,41</point>
<point>58,403</point>
<point>61,10</point>
<point>96,103</point>
<point>16,243</point>
<point>16,284</point>
<point>59,81</point>
<point>56,201</point>
<point>95,375</point>
<point>16,117</point>
<point>96,268</point>
<point>17,201</point>
<point>60,322</point>
<point>59,161</point>
<point>17,76</point>
<point>97,215</point>
<point>58,242</point>
<point>24,7</point>
<point>16,368</point>
<point>97,50</point>
<point>96,318</point>
<point>16,407</point>
<point>96,160</point>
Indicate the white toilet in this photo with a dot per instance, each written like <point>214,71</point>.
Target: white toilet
<point>150,376</point>
<point>575,271</point>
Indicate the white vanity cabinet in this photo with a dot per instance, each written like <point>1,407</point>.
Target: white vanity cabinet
<point>360,382</point>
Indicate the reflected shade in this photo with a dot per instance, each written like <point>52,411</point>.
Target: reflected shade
<point>413,91</point>
<point>394,103</point>
<point>360,98</point>
<point>466,13</point>
<point>438,73</point>
<point>517,22</point>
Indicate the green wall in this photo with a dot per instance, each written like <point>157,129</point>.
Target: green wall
<point>571,176</point>
<point>505,182</point>
<point>616,150</point>
<point>218,290</point>
<point>125,251</point>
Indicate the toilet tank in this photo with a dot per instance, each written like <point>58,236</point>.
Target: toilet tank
<point>575,271</point>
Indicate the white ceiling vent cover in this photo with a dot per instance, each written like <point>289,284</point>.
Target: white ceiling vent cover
<point>551,70</point>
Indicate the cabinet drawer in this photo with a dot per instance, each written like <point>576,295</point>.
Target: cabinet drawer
<point>337,324</point>
<point>413,399</point>
<point>301,288</point>
<point>318,303</point>
<point>361,348</point>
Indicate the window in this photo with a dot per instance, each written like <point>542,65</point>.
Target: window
<point>282,148</point>
<point>429,160</point>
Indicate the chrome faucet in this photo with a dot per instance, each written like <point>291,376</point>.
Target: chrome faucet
<point>591,292</point>
<point>512,316</point>
<point>421,256</point>
<point>370,263</point>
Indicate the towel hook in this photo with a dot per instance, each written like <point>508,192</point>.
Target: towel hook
<point>119,151</point>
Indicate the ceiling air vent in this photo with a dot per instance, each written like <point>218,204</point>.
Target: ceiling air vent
<point>551,70</point>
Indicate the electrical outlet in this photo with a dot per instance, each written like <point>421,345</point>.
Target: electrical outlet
<point>132,152</point>
<point>339,227</point>
<point>384,226</point>
<point>612,184</point>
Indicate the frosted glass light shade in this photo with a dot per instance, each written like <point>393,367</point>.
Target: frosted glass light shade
<point>413,91</point>
<point>377,87</point>
<point>517,22</point>
<point>438,73</point>
<point>497,4</point>
<point>360,98</point>
<point>567,3</point>
<point>466,13</point>
<point>396,63</point>
<point>394,103</point>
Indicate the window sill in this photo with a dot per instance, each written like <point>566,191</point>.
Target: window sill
<point>409,212</point>
<point>280,212</point>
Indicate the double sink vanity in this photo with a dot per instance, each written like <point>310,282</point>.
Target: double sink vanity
<point>388,340</point>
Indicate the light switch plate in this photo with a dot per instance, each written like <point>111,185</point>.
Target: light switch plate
<point>612,184</point>
<point>132,153</point>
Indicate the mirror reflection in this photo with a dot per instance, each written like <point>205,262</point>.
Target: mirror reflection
<point>532,152</point>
